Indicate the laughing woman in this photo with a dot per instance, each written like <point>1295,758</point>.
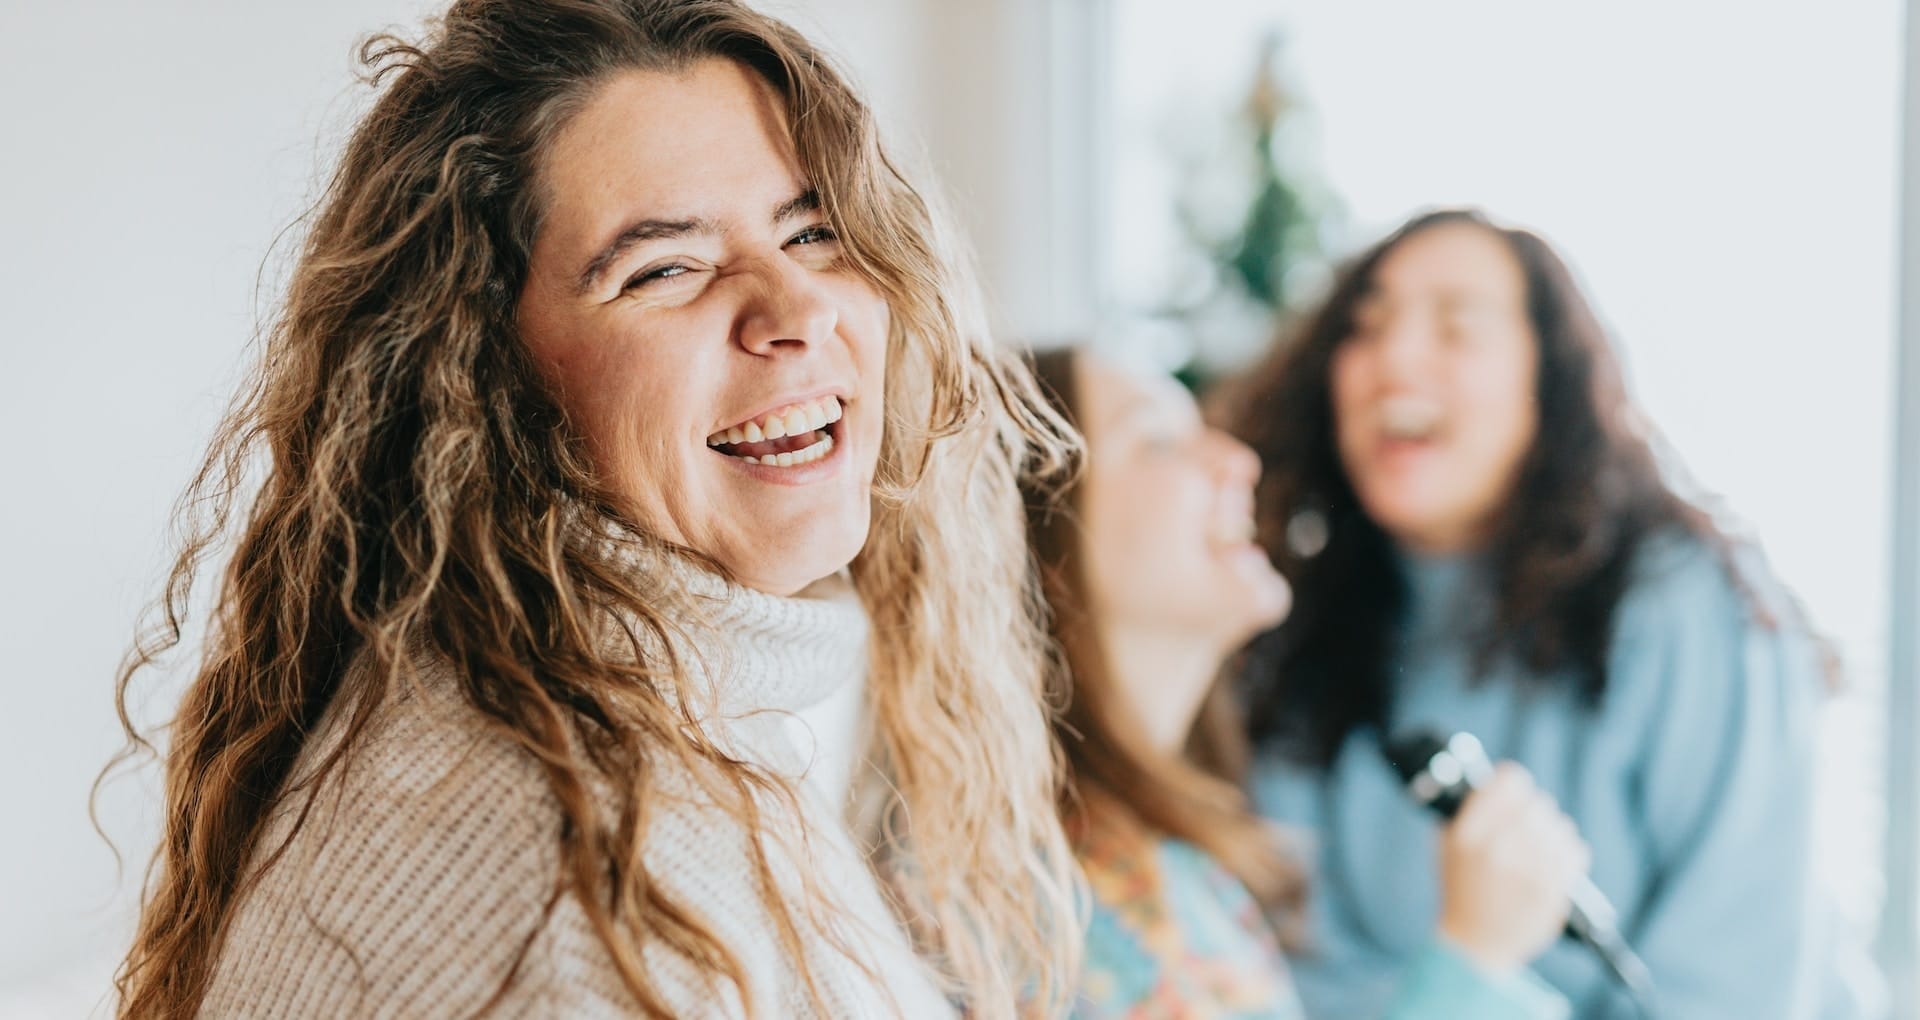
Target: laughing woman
<point>1481,538</point>
<point>623,412</point>
<point>1152,581</point>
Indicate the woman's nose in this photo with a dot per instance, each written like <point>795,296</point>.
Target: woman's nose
<point>1403,344</point>
<point>1237,460</point>
<point>789,310</point>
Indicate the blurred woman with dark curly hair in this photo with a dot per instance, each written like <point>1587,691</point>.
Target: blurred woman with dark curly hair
<point>1480,538</point>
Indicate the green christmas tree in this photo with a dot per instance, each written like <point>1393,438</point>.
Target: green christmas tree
<point>1268,247</point>
<point>1280,227</point>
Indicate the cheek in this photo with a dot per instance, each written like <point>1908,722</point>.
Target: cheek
<point>1347,372</point>
<point>865,321</point>
<point>865,326</point>
<point>1497,390</point>
<point>630,401</point>
<point>877,326</point>
<point>1348,382</point>
<point>1148,531</point>
<point>870,355</point>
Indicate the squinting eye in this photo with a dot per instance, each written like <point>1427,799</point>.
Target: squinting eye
<point>1467,321</point>
<point>1367,321</point>
<point>1168,437</point>
<point>815,235</point>
<point>666,272</point>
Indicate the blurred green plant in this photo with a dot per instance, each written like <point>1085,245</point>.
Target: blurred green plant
<point>1279,227</point>
<point>1253,205</point>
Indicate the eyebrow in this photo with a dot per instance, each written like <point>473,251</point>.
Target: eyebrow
<point>643,231</point>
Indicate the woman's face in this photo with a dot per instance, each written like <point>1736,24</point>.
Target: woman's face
<point>1434,393</point>
<point>692,307</point>
<point>1166,510</point>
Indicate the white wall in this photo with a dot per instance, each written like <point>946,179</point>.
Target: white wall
<point>154,151</point>
<point>987,97</point>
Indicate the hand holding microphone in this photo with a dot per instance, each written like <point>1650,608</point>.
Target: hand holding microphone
<point>1513,868</point>
<point>1507,861</point>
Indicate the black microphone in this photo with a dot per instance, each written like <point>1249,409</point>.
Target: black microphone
<point>1441,772</point>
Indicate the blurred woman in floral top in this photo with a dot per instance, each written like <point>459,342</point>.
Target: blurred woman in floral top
<point>1153,582</point>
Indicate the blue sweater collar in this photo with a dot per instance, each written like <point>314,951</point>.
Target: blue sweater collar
<point>1446,594</point>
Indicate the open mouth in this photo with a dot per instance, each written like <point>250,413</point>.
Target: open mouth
<point>1232,534</point>
<point>786,437</point>
<point>1409,419</point>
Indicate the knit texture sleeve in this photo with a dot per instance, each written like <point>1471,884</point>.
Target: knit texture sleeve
<point>421,884</point>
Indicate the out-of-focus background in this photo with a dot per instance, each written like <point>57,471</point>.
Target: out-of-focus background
<point>1166,178</point>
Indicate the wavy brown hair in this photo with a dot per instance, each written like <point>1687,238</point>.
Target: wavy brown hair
<point>1588,495</point>
<point>1114,773</point>
<point>397,482</point>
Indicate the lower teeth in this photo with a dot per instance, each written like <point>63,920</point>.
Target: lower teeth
<point>804,455</point>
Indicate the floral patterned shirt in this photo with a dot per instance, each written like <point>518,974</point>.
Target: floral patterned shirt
<point>1174,934</point>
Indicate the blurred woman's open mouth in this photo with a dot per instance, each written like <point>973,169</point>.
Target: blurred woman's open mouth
<point>1408,424</point>
<point>787,437</point>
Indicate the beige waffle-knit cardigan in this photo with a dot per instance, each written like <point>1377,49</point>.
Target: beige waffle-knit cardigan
<point>422,873</point>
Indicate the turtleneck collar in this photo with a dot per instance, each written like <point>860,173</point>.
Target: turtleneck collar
<point>1446,593</point>
<point>752,662</point>
<point>779,654</point>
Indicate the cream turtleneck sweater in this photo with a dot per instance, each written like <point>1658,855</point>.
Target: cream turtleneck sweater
<point>427,863</point>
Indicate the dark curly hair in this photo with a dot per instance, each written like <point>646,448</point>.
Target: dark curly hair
<point>1589,493</point>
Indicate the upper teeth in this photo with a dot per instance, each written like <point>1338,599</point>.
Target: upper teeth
<point>787,421</point>
<point>1409,417</point>
<point>1236,533</point>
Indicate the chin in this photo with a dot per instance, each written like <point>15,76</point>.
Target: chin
<point>1234,612</point>
<point>788,562</point>
<point>1262,615</point>
<point>1400,516</point>
<point>1257,597</point>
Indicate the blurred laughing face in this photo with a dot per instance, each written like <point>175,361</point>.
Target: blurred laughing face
<point>692,307</point>
<point>1434,393</point>
<point>1166,513</point>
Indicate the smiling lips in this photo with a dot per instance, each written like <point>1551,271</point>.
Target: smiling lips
<point>1233,534</point>
<point>786,437</point>
<point>1409,418</point>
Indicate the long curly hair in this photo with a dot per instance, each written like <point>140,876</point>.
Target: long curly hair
<point>396,481</point>
<point>1588,494</point>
